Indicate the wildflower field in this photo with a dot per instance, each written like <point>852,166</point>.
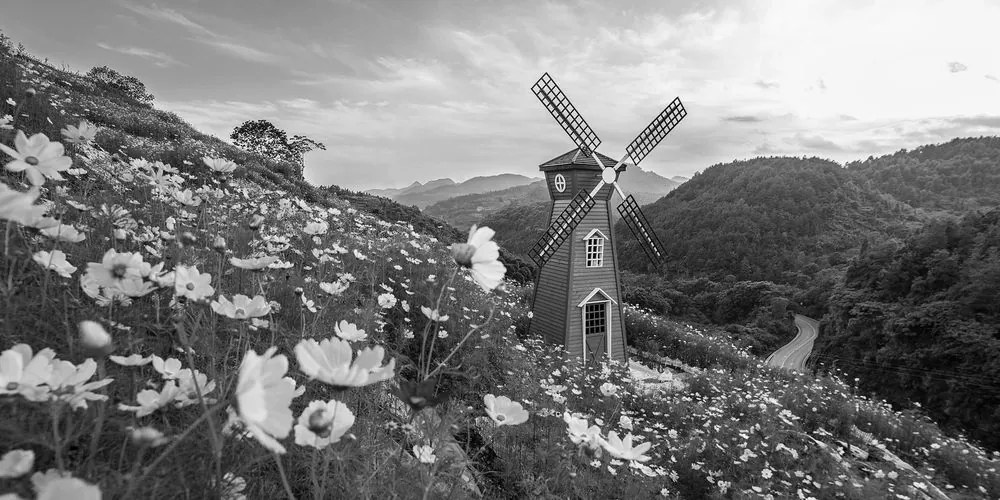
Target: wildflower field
<point>180,320</point>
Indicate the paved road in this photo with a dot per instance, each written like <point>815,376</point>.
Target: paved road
<point>793,355</point>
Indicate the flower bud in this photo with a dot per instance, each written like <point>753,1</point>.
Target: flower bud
<point>94,337</point>
<point>256,221</point>
<point>219,244</point>
<point>147,436</point>
<point>30,92</point>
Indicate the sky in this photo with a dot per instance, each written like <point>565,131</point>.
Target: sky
<point>408,90</point>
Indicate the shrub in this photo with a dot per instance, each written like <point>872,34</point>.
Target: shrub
<point>122,85</point>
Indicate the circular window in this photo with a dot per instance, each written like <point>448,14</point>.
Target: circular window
<point>560,182</point>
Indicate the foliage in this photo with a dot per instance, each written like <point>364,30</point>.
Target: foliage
<point>262,138</point>
<point>777,219</point>
<point>919,323</point>
<point>113,81</point>
<point>960,174</point>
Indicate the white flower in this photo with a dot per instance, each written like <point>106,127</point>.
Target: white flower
<point>424,453</point>
<point>623,449</point>
<point>83,134</point>
<point>24,373</point>
<point>264,396</point>
<point>37,157</point>
<point>63,488</point>
<point>63,232</point>
<point>386,300</point>
<point>503,411</point>
<point>335,288</point>
<point>16,463</point>
<point>316,228</point>
<point>480,254</point>
<point>323,423</point>
<point>608,389</point>
<point>56,261</point>
<point>94,336</point>
<point>151,401</point>
<point>168,368</point>
<point>131,360</point>
<point>190,283</point>
<point>332,361</point>
<point>349,332</point>
<point>241,307</point>
<point>19,207</point>
<point>433,315</point>
<point>219,165</point>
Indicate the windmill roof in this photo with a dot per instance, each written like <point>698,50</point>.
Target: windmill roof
<point>576,159</point>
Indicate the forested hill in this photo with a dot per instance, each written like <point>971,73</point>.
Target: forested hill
<point>960,174</point>
<point>920,323</point>
<point>774,218</point>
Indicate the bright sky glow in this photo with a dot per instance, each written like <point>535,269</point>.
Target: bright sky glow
<point>410,90</point>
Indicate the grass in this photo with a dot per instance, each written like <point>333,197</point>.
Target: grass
<point>734,429</point>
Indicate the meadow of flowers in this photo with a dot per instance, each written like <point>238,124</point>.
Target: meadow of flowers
<point>174,328</point>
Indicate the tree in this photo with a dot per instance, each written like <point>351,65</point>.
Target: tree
<point>263,138</point>
<point>126,85</point>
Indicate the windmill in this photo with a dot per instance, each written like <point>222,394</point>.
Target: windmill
<point>577,300</point>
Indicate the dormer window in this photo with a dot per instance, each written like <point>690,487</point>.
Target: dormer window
<point>595,248</point>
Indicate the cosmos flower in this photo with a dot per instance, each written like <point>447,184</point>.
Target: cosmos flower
<point>336,288</point>
<point>63,232</point>
<point>116,268</point>
<point>332,361</point>
<point>61,488</point>
<point>503,411</point>
<point>219,165</point>
<point>82,134</point>
<point>623,449</point>
<point>323,423</point>
<point>68,383</point>
<point>37,157</point>
<point>16,463</point>
<point>190,283</point>
<point>579,433</point>
<point>433,314</point>
<point>19,207</point>
<point>264,396</point>
<point>316,228</point>
<point>168,368</point>
<point>150,400</point>
<point>349,331</point>
<point>480,254</point>
<point>131,360</point>
<point>187,198</point>
<point>253,263</point>
<point>25,373</point>
<point>241,307</point>
<point>386,300</point>
<point>424,453</point>
<point>55,261</point>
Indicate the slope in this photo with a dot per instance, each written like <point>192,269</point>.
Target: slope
<point>776,218</point>
<point>959,175</point>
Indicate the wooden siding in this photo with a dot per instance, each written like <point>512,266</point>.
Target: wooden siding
<point>551,290</point>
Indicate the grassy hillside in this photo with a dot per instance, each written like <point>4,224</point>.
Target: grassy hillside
<point>182,387</point>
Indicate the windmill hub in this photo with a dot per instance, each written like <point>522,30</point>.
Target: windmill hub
<point>609,175</point>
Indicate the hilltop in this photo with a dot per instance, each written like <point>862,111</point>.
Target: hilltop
<point>271,339</point>
<point>423,195</point>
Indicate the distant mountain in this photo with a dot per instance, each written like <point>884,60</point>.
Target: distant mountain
<point>680,180</point>
<point>463,211</point>
<point>422,195</point>
<point>962,174</point>
<point>416,187</point>
<point>777,218</point>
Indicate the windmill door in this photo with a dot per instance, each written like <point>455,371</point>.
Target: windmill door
<point>595,330</point>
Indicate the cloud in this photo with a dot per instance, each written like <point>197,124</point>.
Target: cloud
<point>815,142</point>
<point>992,121</point>
<point>224,44</point>
<point>158,58</point>
<point>956,67</point>
<point>767,85</point>
<point>743,119</point>
<point>992,77</point>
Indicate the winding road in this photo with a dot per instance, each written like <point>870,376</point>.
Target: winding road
<point>793,355</point>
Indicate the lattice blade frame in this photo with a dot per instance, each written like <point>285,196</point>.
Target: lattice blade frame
<point>637,223</point>
<point>561,228</point>
<point>656,131</point>
<point>566,115</point>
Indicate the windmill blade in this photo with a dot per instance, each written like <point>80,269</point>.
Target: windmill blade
<point>656,131</point>
<point>640,227</point>
<point>562,110</point>
<point>561,228</point>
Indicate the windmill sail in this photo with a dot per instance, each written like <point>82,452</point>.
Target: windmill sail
<point>640,227</point>
<point>656,130</point>
<point>561,228</point>
<point>565,113</point>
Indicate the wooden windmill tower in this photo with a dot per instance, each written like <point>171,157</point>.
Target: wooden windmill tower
<point>577,299</point>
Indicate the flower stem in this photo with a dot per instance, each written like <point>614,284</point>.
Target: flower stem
<point>284,478</point>
<point>460,344</point>
<point>55,412</point>
<point>437,309</point>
